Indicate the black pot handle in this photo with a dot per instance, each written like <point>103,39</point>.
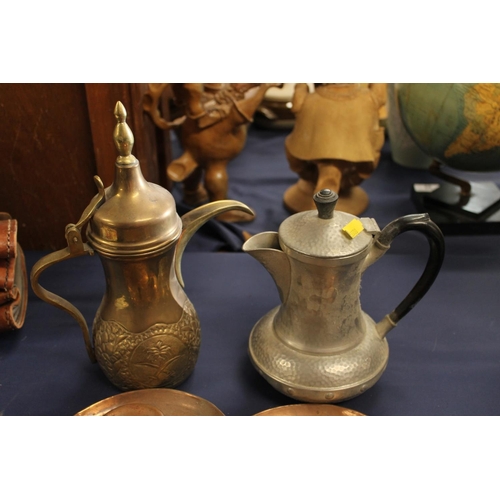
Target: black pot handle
<point>423,224</point>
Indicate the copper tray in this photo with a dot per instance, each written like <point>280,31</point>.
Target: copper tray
<point>309,410</point>
<point>153,402</point>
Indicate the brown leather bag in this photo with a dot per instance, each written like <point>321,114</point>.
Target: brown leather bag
<point>13,279</point>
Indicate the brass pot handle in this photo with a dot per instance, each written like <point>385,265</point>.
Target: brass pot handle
<point>75,248</point>
<point>423,224</point>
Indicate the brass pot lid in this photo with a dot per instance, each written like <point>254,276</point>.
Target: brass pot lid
<point>309,410</point>
<point>153,402</point>
<point>326,233</point>
<point>137,217</point>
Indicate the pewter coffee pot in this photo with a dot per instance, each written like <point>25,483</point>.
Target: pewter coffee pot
<point>318,345</point>
<point>146,332</point>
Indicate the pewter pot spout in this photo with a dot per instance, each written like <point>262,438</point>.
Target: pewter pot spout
<point>265,247</point>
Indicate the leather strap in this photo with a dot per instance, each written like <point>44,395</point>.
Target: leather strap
<point>8,238</point>
<point>8,252</point>
<point>13,278</point>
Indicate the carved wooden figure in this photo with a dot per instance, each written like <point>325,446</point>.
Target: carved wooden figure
<point>212,131</point>
<point>335,143</point>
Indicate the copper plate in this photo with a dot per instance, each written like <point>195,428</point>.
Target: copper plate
<point>153,402</point>
<point>309,410</point>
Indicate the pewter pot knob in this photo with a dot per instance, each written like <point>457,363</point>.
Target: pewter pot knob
<point>325,201</point>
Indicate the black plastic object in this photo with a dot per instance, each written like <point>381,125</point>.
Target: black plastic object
<point>325,201</point>
<point>423,224</point>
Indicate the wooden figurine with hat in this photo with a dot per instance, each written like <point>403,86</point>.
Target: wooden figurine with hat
<point>335,143</point>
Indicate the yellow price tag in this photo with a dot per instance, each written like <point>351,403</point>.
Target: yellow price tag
<point>353,228</point>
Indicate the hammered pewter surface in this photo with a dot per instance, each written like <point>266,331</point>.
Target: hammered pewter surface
<point>313,377</point>
<point>322,312</point>
<point>306,233</point>
<point>162,356</point>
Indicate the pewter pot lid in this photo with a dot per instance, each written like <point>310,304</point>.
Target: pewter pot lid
<point>138,217</point>
<point>326,233</point>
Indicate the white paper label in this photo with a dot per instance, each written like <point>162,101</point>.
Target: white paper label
<point>425,188</point>
<point>370,225</point>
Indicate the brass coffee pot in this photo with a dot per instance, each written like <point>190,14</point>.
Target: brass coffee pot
<point>146,333</point>
<point>319,346</point>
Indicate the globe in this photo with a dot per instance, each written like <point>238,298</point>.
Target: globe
<point>456,123</point>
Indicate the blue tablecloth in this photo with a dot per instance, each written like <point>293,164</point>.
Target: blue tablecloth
<point>444,356</point>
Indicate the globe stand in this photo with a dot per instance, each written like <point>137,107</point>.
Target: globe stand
<point>458,206</point>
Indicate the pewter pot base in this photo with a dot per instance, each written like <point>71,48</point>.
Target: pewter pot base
<point>317,378</point>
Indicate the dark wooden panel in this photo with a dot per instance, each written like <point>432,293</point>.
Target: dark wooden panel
<point>53,139</point>
<point>47,161</point>
<point>102,99</point>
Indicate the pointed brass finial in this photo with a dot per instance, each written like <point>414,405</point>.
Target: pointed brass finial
<point>123,136</point>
